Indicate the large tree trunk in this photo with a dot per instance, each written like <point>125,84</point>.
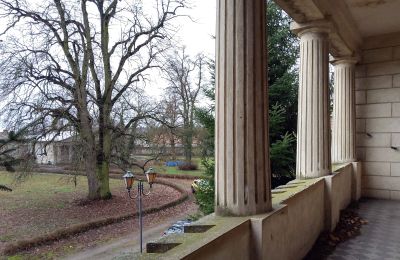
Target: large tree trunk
<point>102,172</point>
<point>90,169</point>
<point>104,153</point>
<point>88,147</point>
<point>187,144</point>
<point>96,156</point>
<point>97,175</point>
<point>103,166</point>
<point>172,143</point>
<point>89,158</point>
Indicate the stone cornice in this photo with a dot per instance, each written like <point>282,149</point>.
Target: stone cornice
<point>301,10</point>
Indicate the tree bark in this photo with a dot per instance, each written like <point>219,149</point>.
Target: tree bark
<point>187,143</point>
<point>172,143</point>
<point>89,158</point>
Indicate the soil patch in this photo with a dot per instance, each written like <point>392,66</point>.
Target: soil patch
<point>43,204</point>
<point>94,238</point>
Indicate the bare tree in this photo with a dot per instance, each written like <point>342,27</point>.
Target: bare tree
<point>141,112</point>
<point>67,64</point>
<point>186,77</point>
<point>171,116</point>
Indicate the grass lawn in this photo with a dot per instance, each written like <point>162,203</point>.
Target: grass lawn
<point>46,202</point>
<point>174,170</point>
<point>159,167</point>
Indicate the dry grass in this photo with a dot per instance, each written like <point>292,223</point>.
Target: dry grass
<point>32,211</point>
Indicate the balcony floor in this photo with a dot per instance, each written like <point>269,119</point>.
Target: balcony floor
<point>379,239</point>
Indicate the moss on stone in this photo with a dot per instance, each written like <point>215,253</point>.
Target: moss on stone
<point>190,242</point>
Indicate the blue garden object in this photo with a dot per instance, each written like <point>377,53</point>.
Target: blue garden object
<point>173,163</point>
<point>170,164</point>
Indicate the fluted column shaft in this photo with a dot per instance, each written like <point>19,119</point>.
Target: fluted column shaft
<point>344,115</point>
<point>242,145</point>
<point>313,125</point>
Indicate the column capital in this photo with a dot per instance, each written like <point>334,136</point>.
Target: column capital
<point>351,60</point>
<point>318,26</point>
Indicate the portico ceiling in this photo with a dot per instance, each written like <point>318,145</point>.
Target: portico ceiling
<point>353,20</point>
<point>375,17</point>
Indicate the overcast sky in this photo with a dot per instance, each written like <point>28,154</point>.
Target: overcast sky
<point>195,33</point>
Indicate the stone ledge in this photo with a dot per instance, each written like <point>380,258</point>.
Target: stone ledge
<point>193,244</point>
<point>231,237</point>
<point>276,234</point>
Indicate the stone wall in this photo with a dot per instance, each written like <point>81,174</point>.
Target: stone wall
<point>302,209</point>
<point>338,194</point>
<point>378,116</point>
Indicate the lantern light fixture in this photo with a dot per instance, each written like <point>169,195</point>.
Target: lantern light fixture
<point>151,176</point>
<point>129,180</point>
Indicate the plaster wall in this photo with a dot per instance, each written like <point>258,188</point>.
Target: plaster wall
<point>378,116</point>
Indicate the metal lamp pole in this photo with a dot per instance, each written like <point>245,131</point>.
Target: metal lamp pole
<point>129,179</point>
<point>139,195</point>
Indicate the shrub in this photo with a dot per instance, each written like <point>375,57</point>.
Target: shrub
<point>205,194</point>
<point>187,166</point>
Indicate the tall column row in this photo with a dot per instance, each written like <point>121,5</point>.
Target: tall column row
<point>242,145</point>
<point>242,140</point>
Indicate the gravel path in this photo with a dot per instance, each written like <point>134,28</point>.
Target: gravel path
<point>128,241</point>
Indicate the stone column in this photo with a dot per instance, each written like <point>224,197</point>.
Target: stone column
<point>344,115</point>
<point>313,124</point>
<point>242,143</point>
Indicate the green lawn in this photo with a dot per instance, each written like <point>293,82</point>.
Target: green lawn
<point>174,170</point>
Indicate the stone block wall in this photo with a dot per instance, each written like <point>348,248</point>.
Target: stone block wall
<point>302,209</point>
<point>338,194</point>
<point>378,116</point>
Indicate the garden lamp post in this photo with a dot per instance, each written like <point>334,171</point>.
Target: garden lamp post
<point>129,181</point>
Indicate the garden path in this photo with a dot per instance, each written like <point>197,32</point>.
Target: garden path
<point>128,245</point>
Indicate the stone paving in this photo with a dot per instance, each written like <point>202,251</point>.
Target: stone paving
<point>379,239</point>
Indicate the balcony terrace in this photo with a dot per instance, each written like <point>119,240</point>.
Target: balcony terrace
<point>361,38</point>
